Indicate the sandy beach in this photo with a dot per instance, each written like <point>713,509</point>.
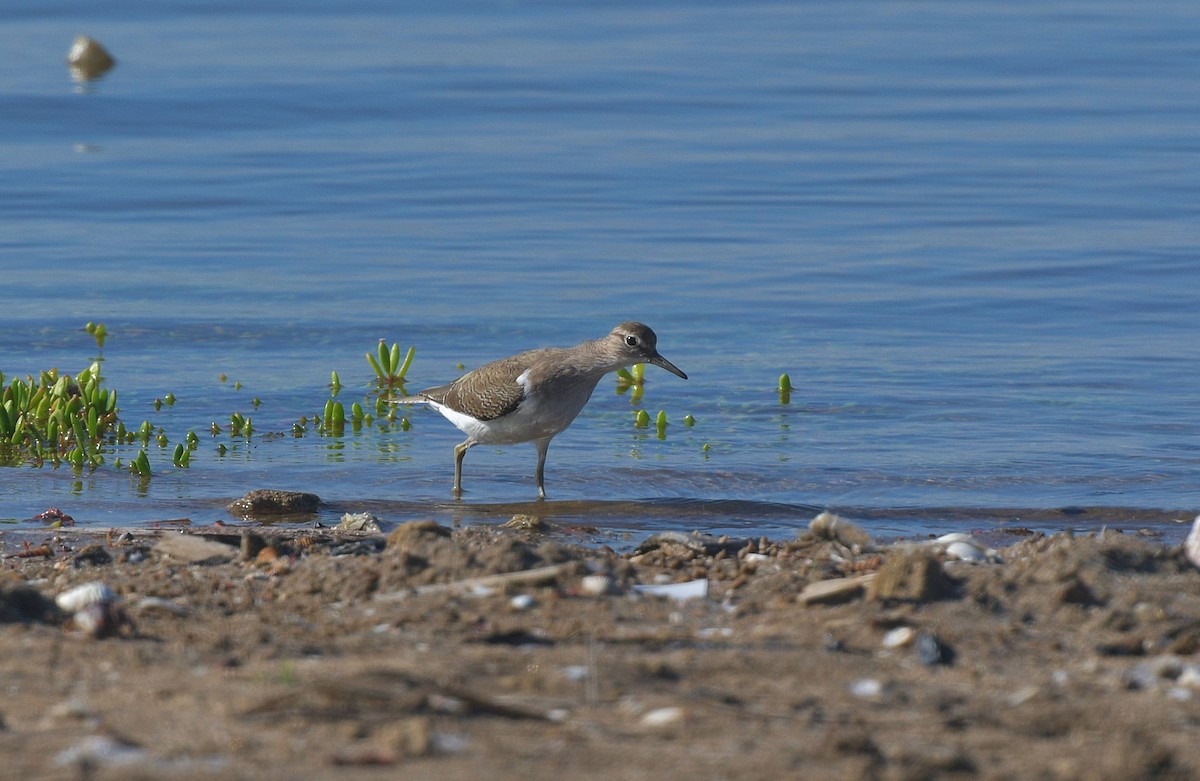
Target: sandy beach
<point>509,652</point>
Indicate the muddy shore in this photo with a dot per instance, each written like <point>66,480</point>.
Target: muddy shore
<point>508,652</point>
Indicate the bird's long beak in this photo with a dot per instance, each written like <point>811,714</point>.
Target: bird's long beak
<point>658,360</point>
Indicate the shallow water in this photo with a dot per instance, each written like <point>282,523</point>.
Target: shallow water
<point>967,231</point>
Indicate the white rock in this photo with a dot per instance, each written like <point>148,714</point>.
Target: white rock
<point>86,595</point>
<point>867,688</point>
<point>522,602</point>
<point>662,717</point>
<point>899,637</point>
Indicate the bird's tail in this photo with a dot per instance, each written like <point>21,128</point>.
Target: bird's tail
<point>410,400</point>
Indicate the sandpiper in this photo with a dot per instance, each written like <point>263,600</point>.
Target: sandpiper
<point>534,395</point>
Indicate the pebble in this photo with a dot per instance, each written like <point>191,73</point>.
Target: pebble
<point>931,651</point>
<point>899,637</point>
<point>662,717</point>
<point>88,59</point>
<point>867,688</point>
<point>522,602</point>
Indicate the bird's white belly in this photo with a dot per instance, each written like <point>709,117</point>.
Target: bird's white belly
<point>536,417</point>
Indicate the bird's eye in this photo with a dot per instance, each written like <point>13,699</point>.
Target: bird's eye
<point>631,340</point>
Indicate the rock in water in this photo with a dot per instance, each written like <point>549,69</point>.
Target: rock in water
<point>88,60</point>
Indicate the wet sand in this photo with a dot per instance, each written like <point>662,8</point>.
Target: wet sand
<point>251,653</point>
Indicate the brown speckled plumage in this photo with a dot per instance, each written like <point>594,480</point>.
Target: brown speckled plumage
<point>536,394</point>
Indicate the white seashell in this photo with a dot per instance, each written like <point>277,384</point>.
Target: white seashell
<point>597,586</point>
<point>522,602</point>
<point>662,717</point>
<point>867,688</point>
<point>899,637</point>
<point>94,593</point>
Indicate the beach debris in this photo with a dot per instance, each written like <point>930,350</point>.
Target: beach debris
<point>483,584</point>
<point>524,522</point>
<point>705,544</point>
<point>96,751</point>
<point>359,522</point>
<point>931,651</point>
<point>55,518</point>
<point>1167,667</point>
<point>270,502</point>
<point>898,637</point>
<point>598,586</point>
<point>964,547</point>
<point>835,590</point>
<point>911,575</point>
<point>522,602</point>
<point>681,592</point>
<point>79,597</point>
<point>30,552</point>
<point>829,526</point>
<point>161,605</point>
<point>1191,546</point>
<point>193,549</point>
<point>867,688</point>
<point>95,609</point>
<point>93,554</point>
<point>662,718</point>
<point>88,59</point>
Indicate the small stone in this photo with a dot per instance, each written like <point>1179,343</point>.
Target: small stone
<point>192,549</point>
<point>867,688</point>
<point>88,59</point>
<point>899,637</point>
<point>835,590</point>
<point>661,718</point>
<point>522,602</point>
<point>931,651</point>
<point>270,502</point>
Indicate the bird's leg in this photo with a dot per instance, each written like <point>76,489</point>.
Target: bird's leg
<point>460,451</point>
<point>543,445</point>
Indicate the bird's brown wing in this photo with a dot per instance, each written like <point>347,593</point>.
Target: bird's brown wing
<point>489,392</point>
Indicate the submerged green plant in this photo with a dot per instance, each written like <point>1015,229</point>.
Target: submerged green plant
<point>389,369</point>
<point>98,331</point>
<point>57,417</point>
<point>785,389</point>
